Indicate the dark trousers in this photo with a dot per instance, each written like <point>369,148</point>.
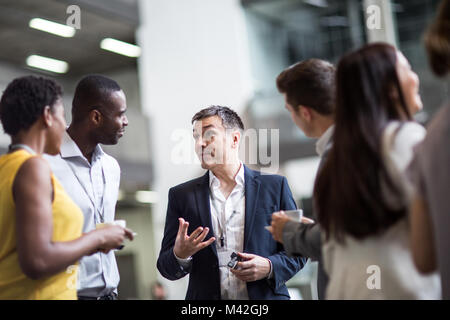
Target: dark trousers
<point>112,296</point>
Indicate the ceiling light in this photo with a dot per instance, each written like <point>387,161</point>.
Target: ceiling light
<point>120,47</point>
<point>49,64</point>
<point>146,196</point>
<point>58,29</point>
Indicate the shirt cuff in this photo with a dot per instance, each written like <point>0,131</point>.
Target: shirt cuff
<point>270,276</point>
<point>185,263</point>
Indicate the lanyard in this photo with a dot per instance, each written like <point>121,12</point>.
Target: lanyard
<point>17,146</point>
<point>219,214</point>
<point>100,210</point>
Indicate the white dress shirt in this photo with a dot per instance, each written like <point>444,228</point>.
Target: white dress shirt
<point>228,221</point>
<point>322,143</point>
<point>94,188</point>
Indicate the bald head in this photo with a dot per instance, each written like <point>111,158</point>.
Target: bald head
<point>92,92</point>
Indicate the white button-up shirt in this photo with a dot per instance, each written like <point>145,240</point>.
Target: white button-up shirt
<point>94,188</point>
<point>322,143</point>
<point>228,221</point>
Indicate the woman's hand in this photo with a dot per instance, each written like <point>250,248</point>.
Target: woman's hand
<point>111,237</point>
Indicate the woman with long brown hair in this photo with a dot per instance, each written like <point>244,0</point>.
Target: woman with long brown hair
<point>360,195</point>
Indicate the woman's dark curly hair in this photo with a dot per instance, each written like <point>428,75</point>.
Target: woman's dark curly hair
<point>24,100</point>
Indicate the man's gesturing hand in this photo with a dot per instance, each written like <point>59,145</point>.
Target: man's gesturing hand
<point>186,246</point>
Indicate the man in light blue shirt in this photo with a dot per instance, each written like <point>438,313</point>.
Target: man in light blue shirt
<point>90,176</point>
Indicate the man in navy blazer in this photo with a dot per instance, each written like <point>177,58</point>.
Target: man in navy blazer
<point>225,211</point>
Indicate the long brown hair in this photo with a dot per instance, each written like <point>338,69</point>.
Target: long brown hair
<point>437,40</point>
<point>348,190</point>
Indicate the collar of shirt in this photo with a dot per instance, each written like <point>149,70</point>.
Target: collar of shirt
<point>323,143</point>
<point>214,182</point>
<point>70,149</point>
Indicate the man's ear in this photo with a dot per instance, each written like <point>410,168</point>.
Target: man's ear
<point>236,136</point>
<point>47,116</point>
<point>95,117</point>
<point>305,113</point>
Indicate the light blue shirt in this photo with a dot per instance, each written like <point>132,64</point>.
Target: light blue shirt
<point>94,187</point>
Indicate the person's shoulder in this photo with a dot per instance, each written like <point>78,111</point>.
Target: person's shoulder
<point>400,140</point>
<point>404,134</point>
<point>33,169</point>
<point>412,127</point>
<point>188,185</point>
<point>38,162</point>
<point>265,176</point>
<point>410,133</point>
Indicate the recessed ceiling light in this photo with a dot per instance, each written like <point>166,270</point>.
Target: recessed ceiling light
<point>49,64</point>
<point>120,47</point>
<point>58,29</point>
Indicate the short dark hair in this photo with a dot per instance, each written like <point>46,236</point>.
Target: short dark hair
<point>24,101</point>
<point>437,40</point>
<point>309,83</point>
<point>230,119</point>
<point>91,92</point>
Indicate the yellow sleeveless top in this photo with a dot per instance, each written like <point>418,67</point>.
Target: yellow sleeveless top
<point>67,226</point>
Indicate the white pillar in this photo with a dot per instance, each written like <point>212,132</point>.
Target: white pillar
<point>193,55</point>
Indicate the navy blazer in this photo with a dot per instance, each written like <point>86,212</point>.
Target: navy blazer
<point>264,194</point>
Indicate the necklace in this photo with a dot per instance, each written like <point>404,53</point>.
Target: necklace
<point>220,214</point>
<point>17,146</point>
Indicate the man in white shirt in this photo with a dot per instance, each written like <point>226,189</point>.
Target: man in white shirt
<point>90,176</point>
<point>308,90</point>
<point>225,212</point>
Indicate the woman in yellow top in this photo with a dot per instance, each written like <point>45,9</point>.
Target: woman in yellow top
<point>40,226</point>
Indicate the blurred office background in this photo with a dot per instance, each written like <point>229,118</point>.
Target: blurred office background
<point>178,56</point>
